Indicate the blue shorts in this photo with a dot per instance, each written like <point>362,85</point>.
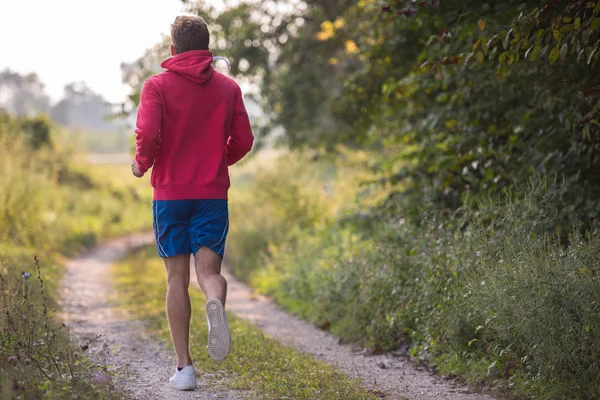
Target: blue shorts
<point>183,226</point>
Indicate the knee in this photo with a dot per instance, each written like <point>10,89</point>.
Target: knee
<point>178,281</point>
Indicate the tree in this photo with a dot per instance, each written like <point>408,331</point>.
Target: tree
<point>22,95</point>
<point>460,98</point>
<point>81,107</point>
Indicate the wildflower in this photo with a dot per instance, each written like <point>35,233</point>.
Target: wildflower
<point>35,344</point>
<point>12,359</point>
<point>26,275</point>
<point>100,377</point>
<point>75,354</point>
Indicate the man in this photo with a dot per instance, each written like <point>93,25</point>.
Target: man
<point>191,126</point>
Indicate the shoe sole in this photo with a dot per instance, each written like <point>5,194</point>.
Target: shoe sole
<point>219,337</point>
<point>183,388</point>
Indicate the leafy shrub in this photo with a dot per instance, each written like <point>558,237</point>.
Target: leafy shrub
<point>273,206</point>
<point>37,132</point>
<point>489,294</point>
<point>50,207</point>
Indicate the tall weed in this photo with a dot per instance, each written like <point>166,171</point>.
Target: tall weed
<point>51,206</point>
<point>36,359</point>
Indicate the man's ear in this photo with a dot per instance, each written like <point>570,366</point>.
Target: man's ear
<point>173,52</point>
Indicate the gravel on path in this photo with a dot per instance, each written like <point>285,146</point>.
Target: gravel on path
<point>393,376</point>
<point>143,365</point>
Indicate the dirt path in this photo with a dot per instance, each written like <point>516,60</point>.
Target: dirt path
<point>144,364</point>
<point>393,375</point>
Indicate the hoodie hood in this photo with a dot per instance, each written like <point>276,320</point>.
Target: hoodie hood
<point>196,65</point>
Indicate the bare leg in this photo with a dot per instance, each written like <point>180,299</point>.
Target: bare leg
<point>214,286</point>
<point>179,310</point>
<point>208,272</point>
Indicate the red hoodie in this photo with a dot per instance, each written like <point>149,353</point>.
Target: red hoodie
<point>191,125</point>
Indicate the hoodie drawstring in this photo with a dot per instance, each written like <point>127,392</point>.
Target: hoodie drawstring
<point>224,59</point>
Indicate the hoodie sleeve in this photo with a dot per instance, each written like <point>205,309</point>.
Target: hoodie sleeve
<point>149,118</point>
<point>240,138</point>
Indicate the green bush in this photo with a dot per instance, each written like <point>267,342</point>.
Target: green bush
<point>490,294</point>
<point>50,207</point>
<point>274,206</point>
<point>37,132</point>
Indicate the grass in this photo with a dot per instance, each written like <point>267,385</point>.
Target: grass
<point>52,207</point>
<point>257,364</point>
<point>106,142</point>
<point>37,360</point>
<point>499,300</point>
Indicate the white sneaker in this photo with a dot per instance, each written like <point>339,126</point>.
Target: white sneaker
<point>184,379</point>
<point>219,337</point>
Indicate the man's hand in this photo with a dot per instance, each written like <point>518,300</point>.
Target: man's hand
<point>135,169</point>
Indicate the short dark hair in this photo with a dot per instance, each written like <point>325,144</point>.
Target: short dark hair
<point>189,33</point>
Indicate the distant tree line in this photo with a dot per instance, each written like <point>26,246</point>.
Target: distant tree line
<point>80,107</point>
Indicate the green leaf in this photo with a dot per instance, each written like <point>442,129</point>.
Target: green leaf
<point>468,58</point>
<point>563,51</point>
<point>539,36</point>
<point>506,39</point>
<point>481,24</point>
<point>491,41</point>
<point>586,132</point>
<point>580,55</point>
<point>516,37</point>
<point>554,54</point>
<point>567,28</point>
<point>595,23</point>
<point>501,72</point>
<point>557,35</point>
<point>528,52</point>
<point>577,23</point>
<point>592,54</point>
<point>479,57</point>
<point>534,53</point>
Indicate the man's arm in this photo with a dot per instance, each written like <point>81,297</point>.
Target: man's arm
<point>240,137</point>
<point>149,118</point>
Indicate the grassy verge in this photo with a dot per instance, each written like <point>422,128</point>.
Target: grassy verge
<point>499,301</point>
<point>257,364</point>
<point>52,207</point>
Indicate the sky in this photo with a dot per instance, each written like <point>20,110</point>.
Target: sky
<point>66,41</point>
